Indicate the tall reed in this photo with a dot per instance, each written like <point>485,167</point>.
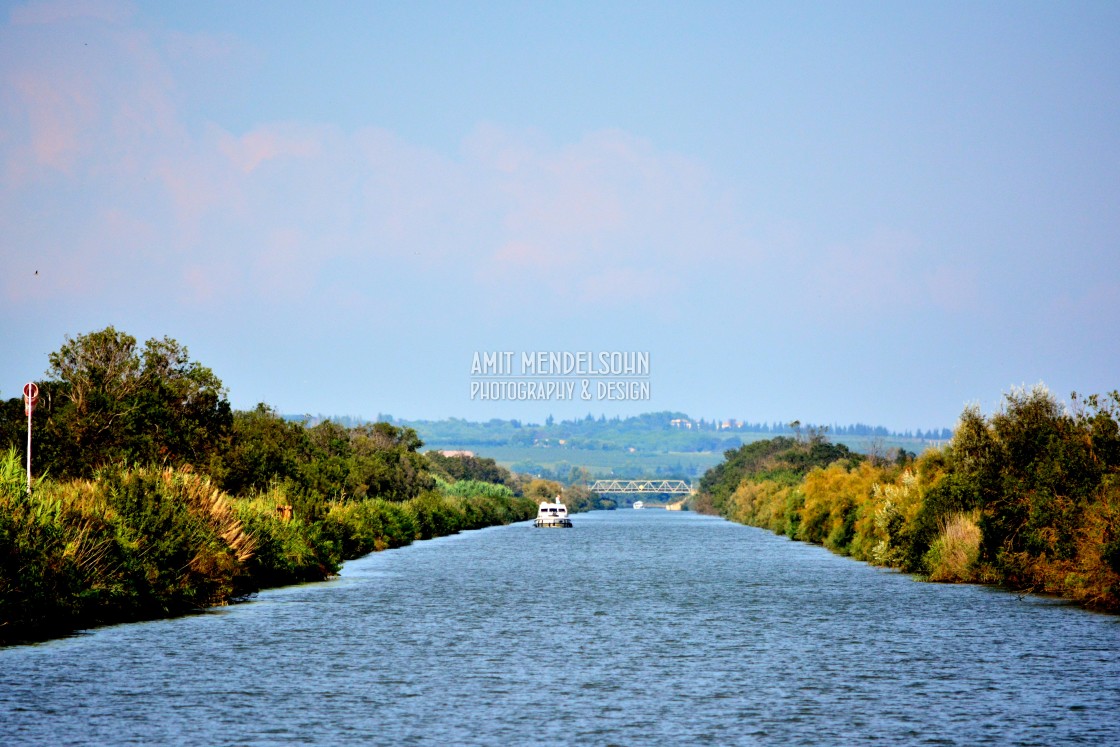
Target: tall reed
<point>953,555</point>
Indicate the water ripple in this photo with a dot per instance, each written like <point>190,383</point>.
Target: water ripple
<point>633,628</point>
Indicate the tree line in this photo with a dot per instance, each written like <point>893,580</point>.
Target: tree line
<point>654,431</point>
<point>1028,497</point>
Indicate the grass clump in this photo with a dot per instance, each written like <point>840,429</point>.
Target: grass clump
<point>954,554</point>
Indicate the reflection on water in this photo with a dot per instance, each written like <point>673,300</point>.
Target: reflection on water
<point>635,627</point>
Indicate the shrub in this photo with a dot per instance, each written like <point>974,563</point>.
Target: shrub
<point>952,556</point>
<point>362,527</point>
<point>288,550</point>
<point>182,544</point>
<point>435,515</point>
<point>133,543</point>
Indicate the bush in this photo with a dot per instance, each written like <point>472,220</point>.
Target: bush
<point>953,555</point>
<point>435,515</point>
<point>362,527</point>
<point>289,550</point>
<point>130,544</point>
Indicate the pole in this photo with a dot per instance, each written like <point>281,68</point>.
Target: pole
<point>29,450</point>
<point>30,397</point>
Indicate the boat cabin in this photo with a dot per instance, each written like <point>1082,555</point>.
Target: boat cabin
<point>552,514</point>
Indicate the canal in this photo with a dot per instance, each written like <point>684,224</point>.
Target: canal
<point>632,628</point>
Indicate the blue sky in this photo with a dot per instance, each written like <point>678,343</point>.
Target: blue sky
<point>836,212</point>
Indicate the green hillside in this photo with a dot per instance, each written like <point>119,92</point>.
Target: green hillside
<point>659,444</point>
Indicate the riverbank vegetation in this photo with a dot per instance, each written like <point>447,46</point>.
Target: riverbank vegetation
<point>134,543</point>
<point>159,500</point>
<point>1028,498</point>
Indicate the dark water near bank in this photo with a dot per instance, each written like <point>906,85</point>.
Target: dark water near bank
<point>633,628</point>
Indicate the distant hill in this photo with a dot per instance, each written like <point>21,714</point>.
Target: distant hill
<point>667,443</point>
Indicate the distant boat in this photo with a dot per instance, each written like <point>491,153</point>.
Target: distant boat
<point>552,515</point>
<point>639,504</point>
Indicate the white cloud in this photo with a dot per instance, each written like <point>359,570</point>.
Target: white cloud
<point>258,214</point>
<point>307,208</point>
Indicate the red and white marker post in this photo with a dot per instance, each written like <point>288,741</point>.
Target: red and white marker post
<point>30,397</point>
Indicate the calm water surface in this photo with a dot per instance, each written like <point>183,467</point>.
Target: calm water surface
<point>633,628</point>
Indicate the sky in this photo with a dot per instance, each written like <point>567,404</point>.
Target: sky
<point>834,212</point>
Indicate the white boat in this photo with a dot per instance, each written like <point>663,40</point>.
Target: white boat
<point>553,514</point>
<point>639,504</point>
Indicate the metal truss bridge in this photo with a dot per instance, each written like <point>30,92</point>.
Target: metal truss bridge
<point>641,487</point>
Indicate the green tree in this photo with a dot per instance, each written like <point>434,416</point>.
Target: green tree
<point>107,401</point>
<point>182,413</point>
<point>456,468</point>
<point>263,449</point>
<point>388,462</point>
<point>1048,474</point>
<point>100,377</point>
